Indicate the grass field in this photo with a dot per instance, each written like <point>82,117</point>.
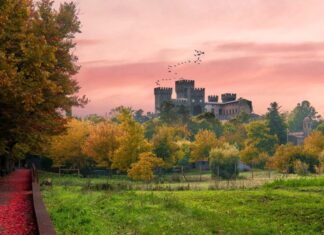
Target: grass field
<point>293,206</point>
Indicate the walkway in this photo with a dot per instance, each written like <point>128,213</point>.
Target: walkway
<point>16,204</point>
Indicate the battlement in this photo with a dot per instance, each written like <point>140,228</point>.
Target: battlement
<point>185,83</point>
<point>227,97</point>
<point>198,92</point>
<point>213,98</point>
<point>163,90</point>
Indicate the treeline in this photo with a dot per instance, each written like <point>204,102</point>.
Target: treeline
<point>127,144</point>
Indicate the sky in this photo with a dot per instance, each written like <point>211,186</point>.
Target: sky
<point>262,50</point>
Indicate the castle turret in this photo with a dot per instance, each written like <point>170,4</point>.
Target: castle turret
<point>162,94</point>
<point>227,97</point>
<point>198,101</point>
<point>213,98</point>
<point>184,88</point>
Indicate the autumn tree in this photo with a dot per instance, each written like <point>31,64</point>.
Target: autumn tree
<point>164,142</point>
<point>314,143</point>
<point>143,169</point>
<point>132,141</point>
<point>205,140</point>
<point>234,133</point>
<point>286,155</point>
<point>224,161</point>
<point>66,149</point>
<point>103,142</point>
<point>36,65</point>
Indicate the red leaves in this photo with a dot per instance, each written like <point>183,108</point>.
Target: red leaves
<point>16,206</point>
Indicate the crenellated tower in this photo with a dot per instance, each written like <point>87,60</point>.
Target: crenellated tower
<point>162,94</point>
<point>227,97</point>
<point>184,88</point>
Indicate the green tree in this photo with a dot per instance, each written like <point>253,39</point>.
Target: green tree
<point>276,122</point>
<point>259,137</point>
<point>300,112</point>
<point>206,121</point>
<point>320,127</point>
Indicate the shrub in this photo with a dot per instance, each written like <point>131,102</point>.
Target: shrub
<point>301,168</point>
<point>224,161</point>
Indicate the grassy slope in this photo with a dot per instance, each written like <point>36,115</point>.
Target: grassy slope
<point>278,208</point>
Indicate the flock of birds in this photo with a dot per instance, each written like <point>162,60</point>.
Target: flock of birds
<point>172,68</point>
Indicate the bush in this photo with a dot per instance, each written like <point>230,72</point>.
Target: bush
<point>224,161</point>
<point>301,168</point>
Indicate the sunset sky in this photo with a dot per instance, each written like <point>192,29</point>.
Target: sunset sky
<point>262,50</point>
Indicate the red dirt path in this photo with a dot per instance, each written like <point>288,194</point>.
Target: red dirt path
<point>16,204</point>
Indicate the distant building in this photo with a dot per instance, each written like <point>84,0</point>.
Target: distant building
<point>229,108</point>
<point>194,99</point>
<point>297,138</point>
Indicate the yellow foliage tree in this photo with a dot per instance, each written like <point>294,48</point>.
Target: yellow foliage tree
<point>144,167</point>
<point>205,140</point>
<point>103,142</point>
<point>314,143</point>
<point>165,143</point>
<point>132,141</point>
<point>66,148</point>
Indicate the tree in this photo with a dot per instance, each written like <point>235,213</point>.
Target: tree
<point>314,143</point>
<point>259,137</point>
<point>286,155</point>
<point>320,127</point>
<point>36,65</point>
<point>132,141</point>
<point>102,143</point>
<point>205,140</point>
<point>235,134</point>
<point>66,149</point>
<point>206,121</point>
<point>139,117</point>
<point>276,123</point>
<point>300,112</point>
<point>252,157</point>
<point>94,118</point>
<point>164,143</point>
<point>224,161</point>
<point>143,168</point>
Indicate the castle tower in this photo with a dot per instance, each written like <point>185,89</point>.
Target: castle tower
<point>184,89</point>
<point>161,94</point>
<point>228,97</point>
<point>198,101</point>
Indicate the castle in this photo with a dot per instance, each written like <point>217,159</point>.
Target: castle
<point>194,100</point>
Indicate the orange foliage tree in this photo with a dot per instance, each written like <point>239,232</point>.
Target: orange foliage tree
<point>144,167</point>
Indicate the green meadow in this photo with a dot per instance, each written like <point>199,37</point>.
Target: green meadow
<point>284,206</point>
